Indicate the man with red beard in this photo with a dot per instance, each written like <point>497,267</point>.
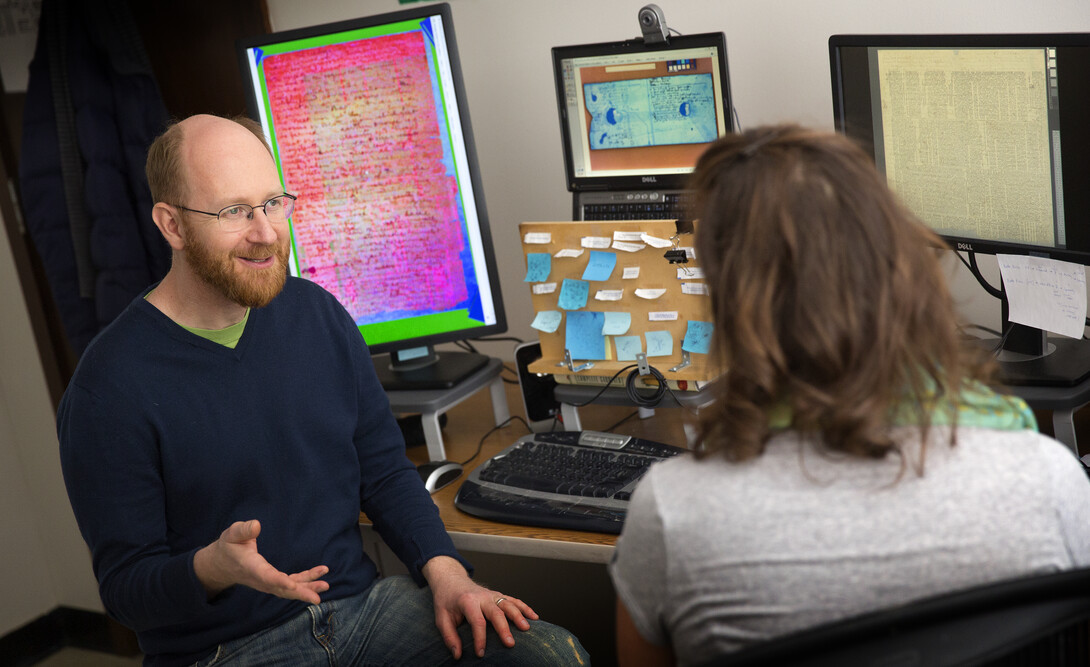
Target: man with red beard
<point>231,402</point>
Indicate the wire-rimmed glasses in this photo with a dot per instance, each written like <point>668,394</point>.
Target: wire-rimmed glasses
<point>236,217</point>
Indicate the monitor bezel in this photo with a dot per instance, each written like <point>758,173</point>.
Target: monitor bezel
<point>443,11</point>
<point>625,47</point>
<point>969,40</point>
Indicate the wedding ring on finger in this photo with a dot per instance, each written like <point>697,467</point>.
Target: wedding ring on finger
<point>499,600</point>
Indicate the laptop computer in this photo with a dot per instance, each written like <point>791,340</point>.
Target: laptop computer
<point>634,118</point>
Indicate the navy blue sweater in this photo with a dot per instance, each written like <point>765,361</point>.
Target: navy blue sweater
<point>167,438</point>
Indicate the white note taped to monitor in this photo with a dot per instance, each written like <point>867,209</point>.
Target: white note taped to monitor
<point>1045,293</point>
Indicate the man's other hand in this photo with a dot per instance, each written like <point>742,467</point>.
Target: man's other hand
<point>458,598</point>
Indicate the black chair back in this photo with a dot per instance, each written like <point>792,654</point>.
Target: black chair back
<point>1031,621</point>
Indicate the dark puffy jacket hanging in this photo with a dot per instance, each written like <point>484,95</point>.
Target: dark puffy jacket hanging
<point>93,107</point>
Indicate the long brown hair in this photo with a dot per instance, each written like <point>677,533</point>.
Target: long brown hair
<point>828,297</point>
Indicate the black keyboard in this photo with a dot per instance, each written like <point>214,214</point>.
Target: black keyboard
<point>652,206</point>
<point>576,480</point>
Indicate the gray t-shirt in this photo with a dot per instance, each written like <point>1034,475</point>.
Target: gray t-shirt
<point>715,556</point>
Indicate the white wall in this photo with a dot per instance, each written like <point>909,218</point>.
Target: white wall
<point>45,561</point>
<point>779,70</point>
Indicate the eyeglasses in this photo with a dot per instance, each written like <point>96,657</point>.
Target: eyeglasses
<point>236,217</point>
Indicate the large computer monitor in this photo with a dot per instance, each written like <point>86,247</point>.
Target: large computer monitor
<point>638,115</point>
<point>369,126</point>
<point>985,138</point>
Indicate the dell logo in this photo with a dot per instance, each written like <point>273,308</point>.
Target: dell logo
<point>965,246</point>
<point>649,179</point>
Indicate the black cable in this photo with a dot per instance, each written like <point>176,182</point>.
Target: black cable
<point>633,394</point>
<point>994,332</point>
<point>490,432</point>
<point>975,270</point>
<point>494,339</point>
<point>643,400</point>
<point>465,345</point>
<point>999,346</point>
<point>601,391</point>
<point>512,371</point>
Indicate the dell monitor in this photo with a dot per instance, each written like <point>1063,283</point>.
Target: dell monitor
<point>635,116</point>
<point>369,126</point>
<point>985,139</point>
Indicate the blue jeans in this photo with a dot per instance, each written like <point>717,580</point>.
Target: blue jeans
<point>392,623</point>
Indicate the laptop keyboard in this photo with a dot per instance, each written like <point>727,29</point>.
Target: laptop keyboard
<point>639,206</point>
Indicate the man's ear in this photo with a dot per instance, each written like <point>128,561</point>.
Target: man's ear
<point>168,220</point>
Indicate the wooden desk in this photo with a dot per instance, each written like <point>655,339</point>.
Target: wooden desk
<point>468,422</point>
<point>562,574</point>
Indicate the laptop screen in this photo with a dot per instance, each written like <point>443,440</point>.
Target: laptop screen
<point>636,115</point>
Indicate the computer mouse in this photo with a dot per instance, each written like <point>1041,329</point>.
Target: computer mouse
<point>437,474</point>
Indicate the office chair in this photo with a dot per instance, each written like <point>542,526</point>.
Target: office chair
<point>1031,621</point>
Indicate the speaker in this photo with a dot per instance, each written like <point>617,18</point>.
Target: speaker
<point>537,389</point>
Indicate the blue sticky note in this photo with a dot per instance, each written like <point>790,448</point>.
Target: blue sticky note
<point>573,294</point>
<point>698,337</point>
<point>659,343</point>
<point>538,265</point>
<point>583,335</point>
<point>547,320</point>
<point>628,347</point>
<point>616,324</point>
<point>600,265</point>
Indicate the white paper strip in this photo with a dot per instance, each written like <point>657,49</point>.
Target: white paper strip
<point>662,316</point>
<point>544,288</point>
<point>628,247</point>
<point>655,242</point>
<point>595,241</point>
<point>537,238</point>
<point>569,252</point>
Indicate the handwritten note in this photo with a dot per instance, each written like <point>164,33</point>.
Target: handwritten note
<point>698,337</point>
<point>538,265</point>
<point>616,323</point>
<point>628,347</point>
<point>547,320</point>
<point>659,343</point>
<point>600,265</point>
<point>583,335</point>
<point>1045,293</point>
<point>573,294</point>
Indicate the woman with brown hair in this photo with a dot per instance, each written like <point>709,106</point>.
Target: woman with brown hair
<point>855,456</point>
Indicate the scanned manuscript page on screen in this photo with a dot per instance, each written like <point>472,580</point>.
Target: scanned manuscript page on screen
<point>967,143</point>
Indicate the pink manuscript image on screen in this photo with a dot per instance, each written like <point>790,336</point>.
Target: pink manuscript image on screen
<point>360,142</point>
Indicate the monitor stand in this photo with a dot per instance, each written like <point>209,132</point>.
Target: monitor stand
<point>1030,358</point>
<point>433,370</point>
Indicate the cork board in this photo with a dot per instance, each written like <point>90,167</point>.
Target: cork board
<point>678,299</point>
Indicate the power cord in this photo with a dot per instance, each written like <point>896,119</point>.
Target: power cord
<point>644,400</point>
<point>641,400</point>
<point>492,430</point>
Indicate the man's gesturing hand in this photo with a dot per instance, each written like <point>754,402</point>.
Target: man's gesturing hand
<point>233,559</point>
